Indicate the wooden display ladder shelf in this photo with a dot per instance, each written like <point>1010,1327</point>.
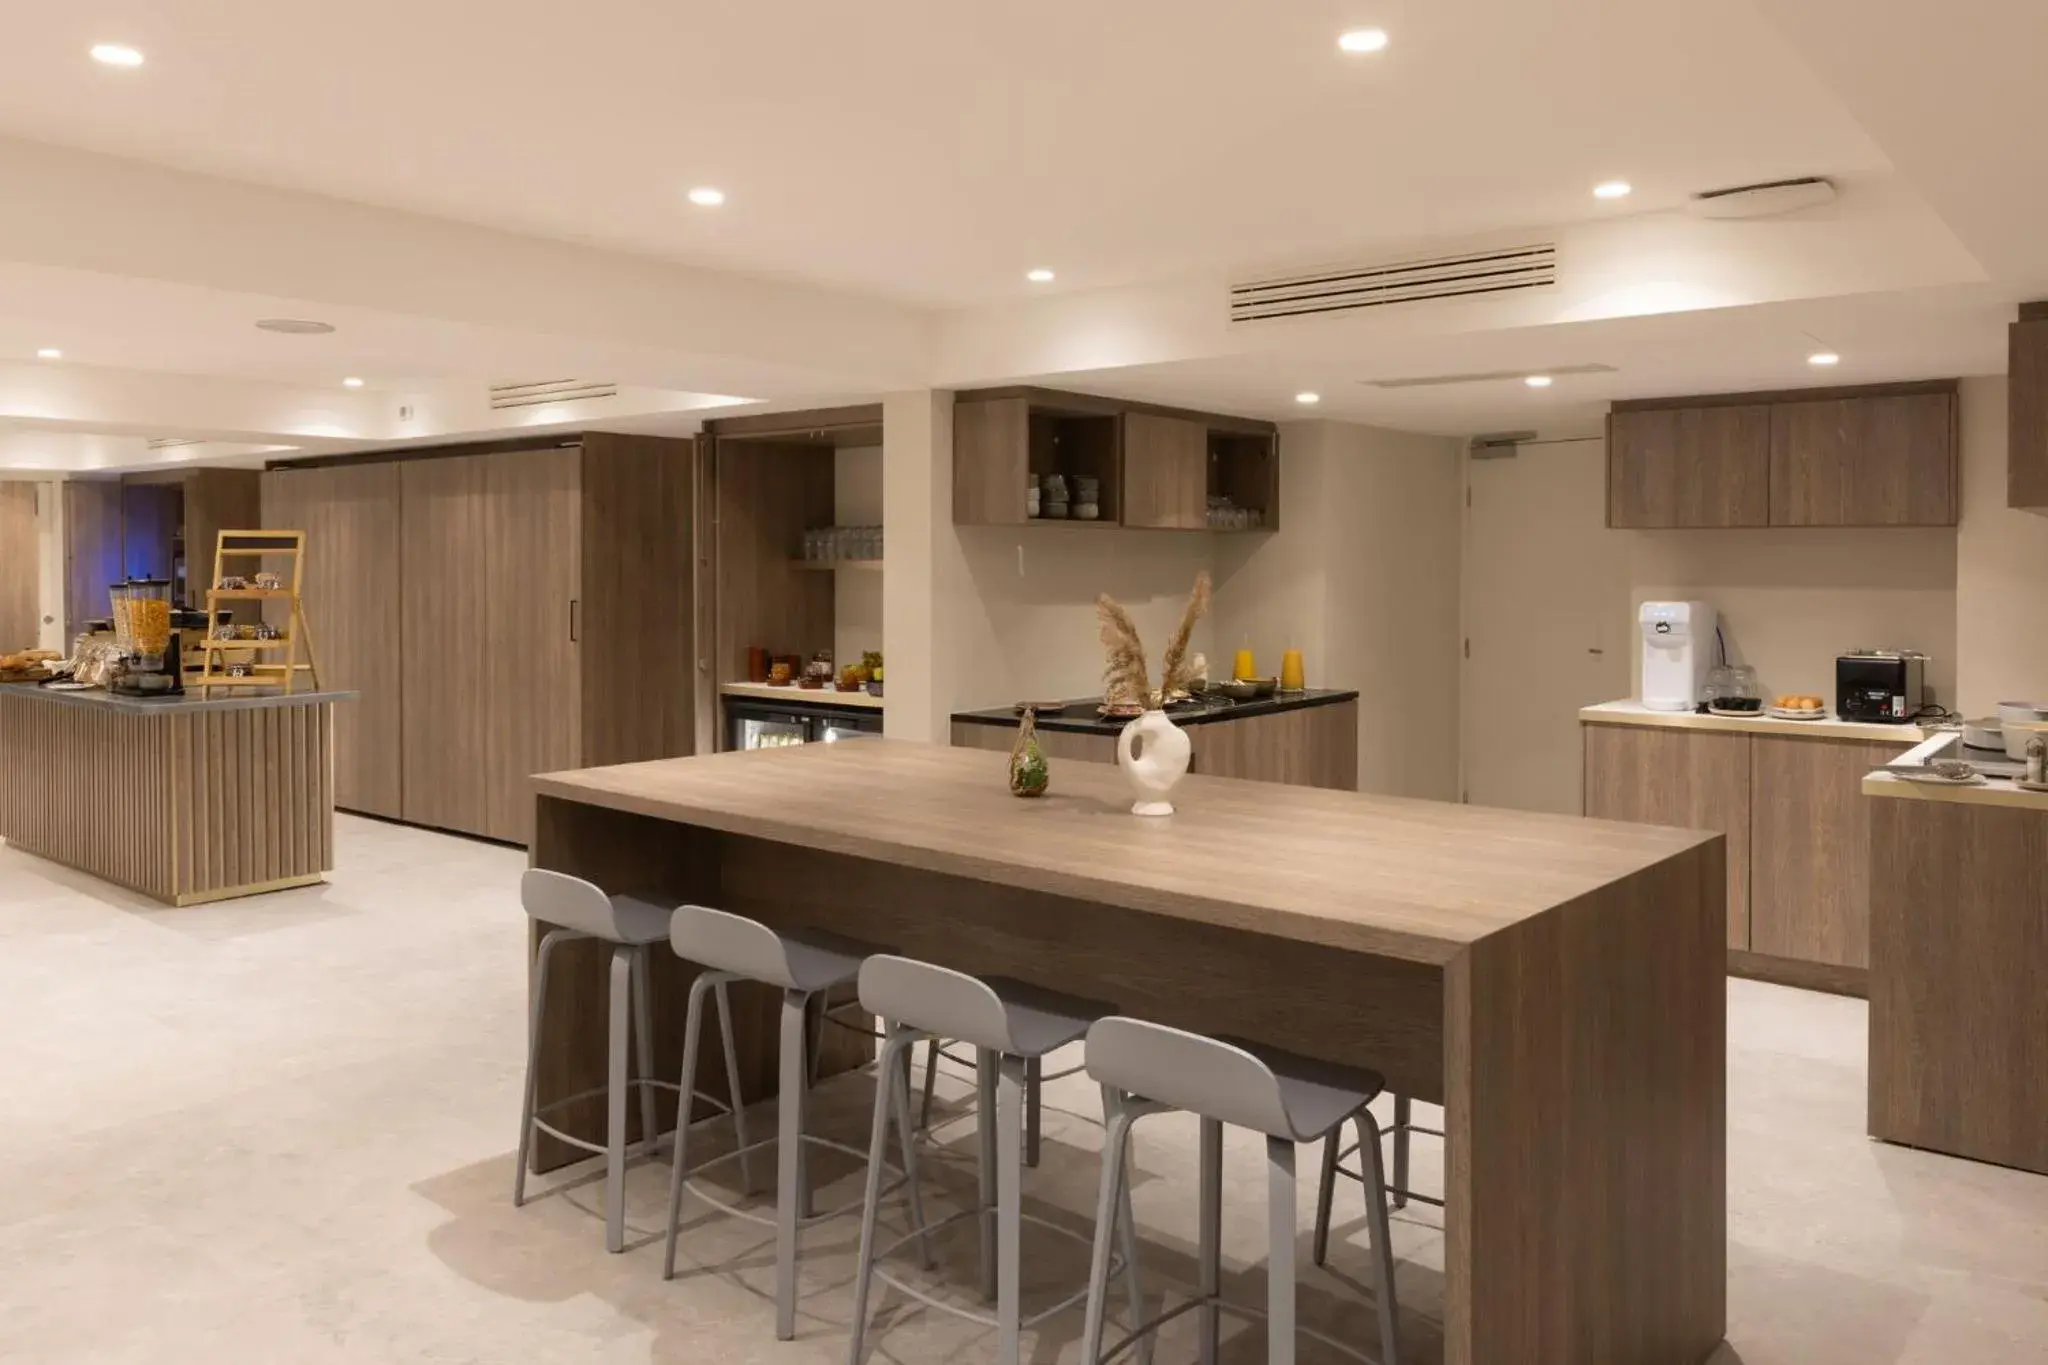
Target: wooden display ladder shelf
<point>259,546</point>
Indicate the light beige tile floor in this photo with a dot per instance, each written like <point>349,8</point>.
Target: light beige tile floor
<point>280,1130</point>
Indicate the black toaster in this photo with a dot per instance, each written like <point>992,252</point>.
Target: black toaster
<point>1885,685</point>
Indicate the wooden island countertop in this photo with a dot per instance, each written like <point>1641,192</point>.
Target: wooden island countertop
<point>1555,983</point>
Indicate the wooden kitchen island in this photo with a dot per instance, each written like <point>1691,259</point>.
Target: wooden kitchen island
<point>1556,983</point>
<point>181,799</point>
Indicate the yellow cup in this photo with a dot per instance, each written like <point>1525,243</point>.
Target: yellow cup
<point>1244,668</point>
<point>1290,671</point>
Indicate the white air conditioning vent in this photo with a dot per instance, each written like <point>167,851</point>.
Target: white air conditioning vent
<point>1502,270</point>
<point>173,442</point>
<point>1429,381</point>
<point>537,392</point>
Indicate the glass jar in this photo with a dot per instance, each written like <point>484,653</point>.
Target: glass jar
<point>1733,687</point>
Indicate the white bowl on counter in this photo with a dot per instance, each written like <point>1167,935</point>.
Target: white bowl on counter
<point>2017,733</point>
<point>2021,712</point>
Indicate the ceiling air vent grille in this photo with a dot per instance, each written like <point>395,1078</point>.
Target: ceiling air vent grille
<point>537,392</point>
<point>174,442</point>
<point>1499,271</point>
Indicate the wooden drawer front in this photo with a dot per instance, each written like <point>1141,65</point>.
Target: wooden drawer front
<point>1810,847</point>
<point>1689,778</point>
<point>1876,461</point>
<point>1689,467</point>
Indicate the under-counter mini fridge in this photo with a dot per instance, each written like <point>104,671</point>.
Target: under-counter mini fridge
<point>751,724</point>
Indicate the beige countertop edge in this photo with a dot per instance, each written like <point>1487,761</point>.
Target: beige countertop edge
<point>1996,792</point>
<point>799,696</point>
<point>1632,713</point>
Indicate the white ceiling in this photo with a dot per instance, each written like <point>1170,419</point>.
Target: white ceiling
<point>893,169</point>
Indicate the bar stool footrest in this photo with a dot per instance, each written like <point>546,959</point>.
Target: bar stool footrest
<point>764,1220</point>
<point>1240,1310</point>
<point>984,1319</point>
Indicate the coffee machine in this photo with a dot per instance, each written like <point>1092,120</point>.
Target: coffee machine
<point>150,649</point>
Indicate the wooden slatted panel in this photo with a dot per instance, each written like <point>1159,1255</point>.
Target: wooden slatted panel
<point>86,789</point>
<point>256,788</point>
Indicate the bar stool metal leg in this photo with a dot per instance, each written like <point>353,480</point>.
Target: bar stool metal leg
<point>1034,1109</point>
<point>985,1134</point>
<point>1326,1192</point>
<point>620,1045</point>
<point>1279,1251</point>
<point>693,1032</point>
<point>790,1163</point>
<point>734,1099</point>
<point>931,1079</point>
<point>540,995</point>
<point>1009,1208</point>
<point>1382,1231</point>
<point>643,1049</point>
<point>1404,1117</point>
<point>1210,1241</point>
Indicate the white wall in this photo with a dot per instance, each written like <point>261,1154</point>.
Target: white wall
<point>1362,577</point>
<point>857,594</point>
<point>2001,568</point>
<point>1791,599</point>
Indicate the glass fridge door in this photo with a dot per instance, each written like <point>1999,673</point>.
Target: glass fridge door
<point>763,732</point>
<point>832,731</point>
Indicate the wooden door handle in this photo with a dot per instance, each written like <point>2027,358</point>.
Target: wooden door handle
<point>575,619</point>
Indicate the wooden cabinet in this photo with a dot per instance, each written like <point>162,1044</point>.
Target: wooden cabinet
<point>2027,409</point>
<point>1693,779</point>
<point>1166,472</point>
<point>350,514</point>
<point>1316,746</point>
<point>1810,887</point>
<point>991,461</point>
<point>501,614</point>
<point>20,568</point>
<point>1881,456</point>
<point>1887,460</point>
<point>446,672</point>
<point>92,550</point>
<point>533,566</point>
<point>1689,467</point>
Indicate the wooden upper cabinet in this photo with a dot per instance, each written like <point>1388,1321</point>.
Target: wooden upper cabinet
<point>1689,467</point>
<point>2027,412</point>
<point>1880,460</point>
<point>1166,472</point>
<point>991,461</point>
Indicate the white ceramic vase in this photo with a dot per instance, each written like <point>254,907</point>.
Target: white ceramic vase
<point>1153,752</point>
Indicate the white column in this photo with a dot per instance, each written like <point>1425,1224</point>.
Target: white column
<point>923,569</point>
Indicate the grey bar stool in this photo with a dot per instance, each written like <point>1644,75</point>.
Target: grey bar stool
<point>801,964</point>
<point>577,909</point>
<point>1398,1191</point>
<point>1150,1069</point>
<point>1011,1025</point>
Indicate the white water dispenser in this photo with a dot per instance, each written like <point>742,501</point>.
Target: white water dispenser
<point>1677,637</point>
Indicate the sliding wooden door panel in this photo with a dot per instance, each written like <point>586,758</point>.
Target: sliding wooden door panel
<point>533,550</point>
<point>350,514</point>
<point>20,568</point>
<point>445,668</point>
<point>92,550</point>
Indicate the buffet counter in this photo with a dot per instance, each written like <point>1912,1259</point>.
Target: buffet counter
<point>182,800</point>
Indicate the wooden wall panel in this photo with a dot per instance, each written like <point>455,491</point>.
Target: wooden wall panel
<point>1689,778</point>
<point>152,522</point>
<point>350,514</point>
<point>92,550</point>
<point>768,495</point>
<point>1810,849</point>
<point>532,566</point>
<point>445,676</point>
<point>20,567</point>
<point>1959,955</point>
<point>639,588</point>
<point>216,500</point>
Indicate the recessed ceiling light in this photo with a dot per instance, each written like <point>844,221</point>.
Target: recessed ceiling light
<point>705,197</point>
<point>116,54</point>
<point>1308,398</point>
<point>351,383</point>
<point>1363,40</point>
<point>1039,276</point>
<point>1823,358</point>
<point>49,353</point>
<point>298,327</point>
<point>1613,189</point>
<point>1538,381</point>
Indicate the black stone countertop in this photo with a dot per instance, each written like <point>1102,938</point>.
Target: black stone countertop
<point>1079,716</point>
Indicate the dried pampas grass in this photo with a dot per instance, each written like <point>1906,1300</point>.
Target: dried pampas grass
<point>1179,669</point>
<point>1124,676</point>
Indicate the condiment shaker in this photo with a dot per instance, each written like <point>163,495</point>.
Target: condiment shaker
<point>2037,760</point>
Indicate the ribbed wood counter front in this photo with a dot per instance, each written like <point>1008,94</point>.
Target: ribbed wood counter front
<point>1555,982</point>
<point>182,800</point>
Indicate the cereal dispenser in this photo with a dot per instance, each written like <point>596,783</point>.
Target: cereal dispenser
<point>142,632</point>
